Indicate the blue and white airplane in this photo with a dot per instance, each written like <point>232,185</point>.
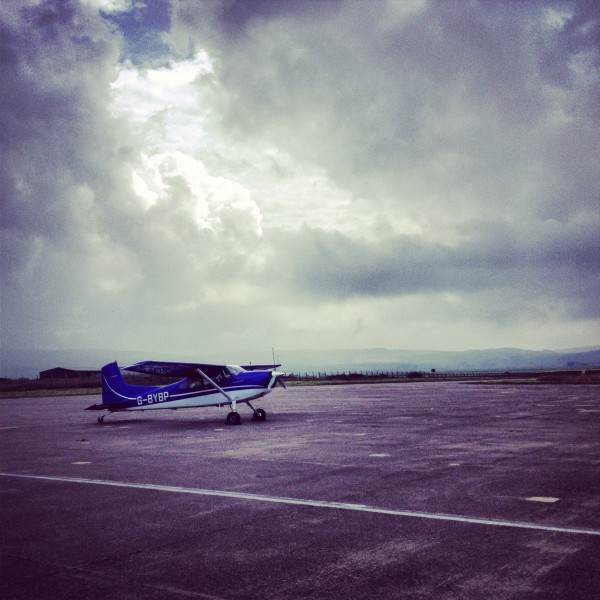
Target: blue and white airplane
<point>198,385</point>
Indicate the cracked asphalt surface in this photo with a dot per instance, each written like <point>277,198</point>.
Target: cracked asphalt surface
<point>510,456</point>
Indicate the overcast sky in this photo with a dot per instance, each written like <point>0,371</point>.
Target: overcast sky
<point>224,177</point>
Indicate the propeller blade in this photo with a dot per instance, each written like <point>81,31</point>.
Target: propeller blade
<point>277,379</point>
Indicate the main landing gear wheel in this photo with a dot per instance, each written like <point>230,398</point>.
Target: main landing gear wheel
<point>101,419</point>
<point>259,415</point>
<point>233,418</point>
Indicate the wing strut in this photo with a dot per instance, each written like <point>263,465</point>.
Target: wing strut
<point>219,389</point>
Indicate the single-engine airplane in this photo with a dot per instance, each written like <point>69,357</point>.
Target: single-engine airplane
<point>200,385</point>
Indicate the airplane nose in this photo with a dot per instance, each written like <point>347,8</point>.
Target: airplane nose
<point>277,378</point>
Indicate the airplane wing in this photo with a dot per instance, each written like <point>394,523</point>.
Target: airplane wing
<point>174,369</point>
<point>259,367</point>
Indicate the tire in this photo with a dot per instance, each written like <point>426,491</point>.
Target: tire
<point>233,418</point>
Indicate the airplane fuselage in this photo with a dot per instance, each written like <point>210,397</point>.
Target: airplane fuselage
<point>179,395</point>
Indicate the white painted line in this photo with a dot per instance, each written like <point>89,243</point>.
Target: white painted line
<point>81,462</point>
<point>313,503</point>
<point>542,499</point>
<point>378,455</point>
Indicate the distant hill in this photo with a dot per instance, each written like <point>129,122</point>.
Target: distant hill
<point>381,359</point>
<point>28,363</point>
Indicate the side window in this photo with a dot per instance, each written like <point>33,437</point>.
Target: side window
<point>197,383</point>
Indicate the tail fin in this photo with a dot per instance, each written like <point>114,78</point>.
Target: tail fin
<point>114,388</point>
<point>116,393</point>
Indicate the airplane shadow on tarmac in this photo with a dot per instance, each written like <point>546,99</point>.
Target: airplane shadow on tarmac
<point>208,423</point>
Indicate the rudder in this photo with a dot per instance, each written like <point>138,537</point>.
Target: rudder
<point>114,388</point>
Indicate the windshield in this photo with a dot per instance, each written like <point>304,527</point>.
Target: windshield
<point>234,369</point>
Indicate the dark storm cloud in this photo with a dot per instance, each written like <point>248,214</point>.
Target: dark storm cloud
<point>553,263</point>
<point>234,18</point>
<point>55,58</point>
<point>579,35</point>
<point>49,113</point>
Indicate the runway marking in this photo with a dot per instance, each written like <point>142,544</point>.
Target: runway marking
<point>314,503</point>
<point>542,499</point>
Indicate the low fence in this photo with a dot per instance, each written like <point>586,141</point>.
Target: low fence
<point>350,376</point>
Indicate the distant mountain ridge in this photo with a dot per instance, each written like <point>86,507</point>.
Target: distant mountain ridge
<point>28,363</point>
<point>381,359</point>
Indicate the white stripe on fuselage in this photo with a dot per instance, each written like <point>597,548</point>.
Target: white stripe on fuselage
<point>194,399</point>
<point>115,391</point>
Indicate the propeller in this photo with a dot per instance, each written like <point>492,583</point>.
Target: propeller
<point>277,379</point>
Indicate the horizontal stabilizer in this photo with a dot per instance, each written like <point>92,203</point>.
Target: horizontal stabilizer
<point>110,406</point>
